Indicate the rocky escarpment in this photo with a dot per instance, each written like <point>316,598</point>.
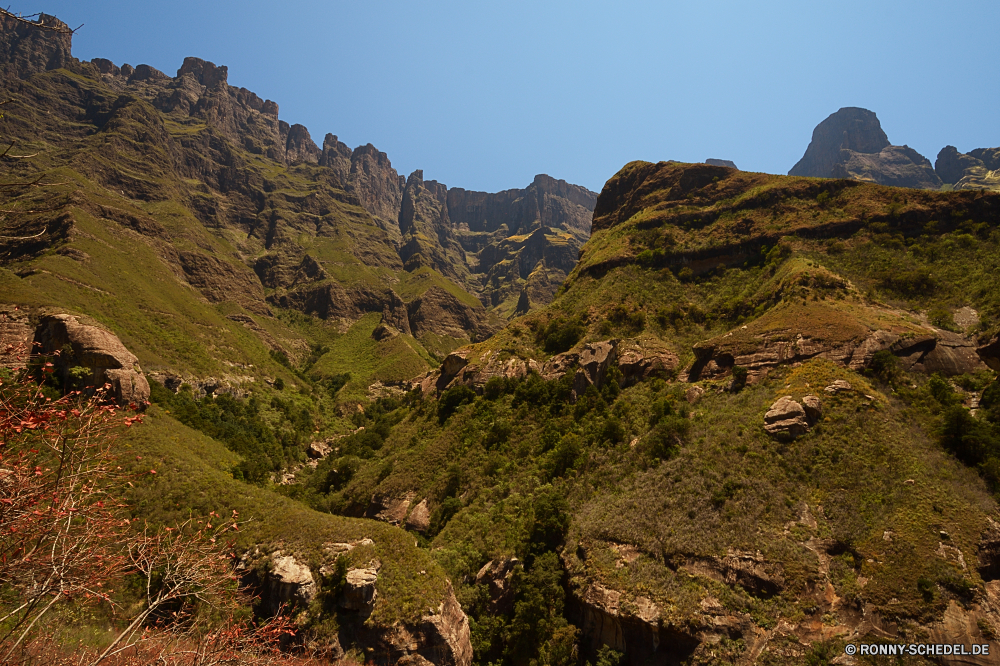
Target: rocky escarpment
<point>303,217</point>
<point>641,628</point>
<point>762,346</point>
<point>29,47</point>
<point>851,144</point>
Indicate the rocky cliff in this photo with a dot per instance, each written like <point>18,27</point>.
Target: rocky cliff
<point>851,144</point>
<point>245,209</point>
<point>977,170</point>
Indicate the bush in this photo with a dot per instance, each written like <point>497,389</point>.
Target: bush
<point>665,440</point>
<point>885,366</point>
<point>942,318</point>
<point>739,377</point>
<point>941,390</point>
<point>564,455</point>
<point>452,399</point>
<point>559,335</point>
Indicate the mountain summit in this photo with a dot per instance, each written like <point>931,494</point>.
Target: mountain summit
<point>851,144</point>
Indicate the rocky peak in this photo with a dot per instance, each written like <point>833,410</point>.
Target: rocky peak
<point>850,128</point>
<point>34,46</point>
<point>851,144</point>
<point>976,170</point>
<point>207,73</point>
<point>299,146</point>
<point>723,163</point>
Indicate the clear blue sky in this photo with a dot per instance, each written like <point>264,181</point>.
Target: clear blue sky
<point>485,95</point>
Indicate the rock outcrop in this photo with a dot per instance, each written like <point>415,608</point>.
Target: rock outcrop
<point>635,358</point>
<point>786,419</point>
<point>29,47</point>
<point>97,350</point>
<point>16,333</point>
<point>389,509</point>
<point>977,170</point>
<point>950,164</point>
<point>420,517</point>
<point>359,592</point>
<point>288,583</point>
<point>919,349</point>
<point>497,576</point>
<point>441,637</point>
<point>722,163</point>
<point>851,144</point>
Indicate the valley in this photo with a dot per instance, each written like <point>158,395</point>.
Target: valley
<point>705,416</point>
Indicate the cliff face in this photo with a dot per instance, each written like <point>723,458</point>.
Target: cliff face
<point>851,144</point>
<point>500,245</point>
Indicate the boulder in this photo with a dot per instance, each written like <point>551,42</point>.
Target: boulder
<point>813,407</point>
<point>786,419</point>
<point>97,350</point>
<point>419,518</point>
<point>319,449</point>
<point>288,582</point>
<point>359,590</point>
<point>839,386</point>
<point>693,394</point>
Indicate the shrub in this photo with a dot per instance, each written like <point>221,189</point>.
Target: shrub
<point>739,377</point>
<point>452,399</point>
<point>941,390</point>
<point>885,366</point>
<point>942,318</point>
<point>559,335</point>
<point>665,440</point>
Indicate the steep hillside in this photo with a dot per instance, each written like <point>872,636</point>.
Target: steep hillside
<point>224,205</point>
<point>757,423</point>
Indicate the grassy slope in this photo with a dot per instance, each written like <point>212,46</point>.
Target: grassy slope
<point>193,479</point>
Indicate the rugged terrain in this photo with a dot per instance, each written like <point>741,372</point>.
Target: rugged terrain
<point>757,421</point>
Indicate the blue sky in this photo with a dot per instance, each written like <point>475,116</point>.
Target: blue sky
<point>485,95</point>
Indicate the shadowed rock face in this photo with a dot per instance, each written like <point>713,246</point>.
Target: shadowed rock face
<point>30,47</point>
<point>851,128</point>
<point>851,144</point>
